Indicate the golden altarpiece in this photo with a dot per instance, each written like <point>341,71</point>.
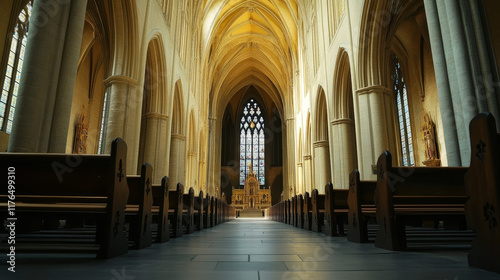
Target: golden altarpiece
<point>251,196</point>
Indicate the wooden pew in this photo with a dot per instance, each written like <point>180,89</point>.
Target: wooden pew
<point>318,211</point>
<point>335,209</point>
<point>140,201</point>
<point>288,211</point>
<point>213,210</point>
<point>198,211</point>
<point>62,186</point>
<point>188,211</point>
<point>207,217</point>
<point>300,210</point>
<point>409,194</point>
<point>361,207</point>
<point>483,187</point>
<point>307,212</point>
<point>160,210</point>
<point>294,210</point>
<point>175,210</point>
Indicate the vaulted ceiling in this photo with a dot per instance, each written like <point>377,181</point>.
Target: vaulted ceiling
<point>248,43</point>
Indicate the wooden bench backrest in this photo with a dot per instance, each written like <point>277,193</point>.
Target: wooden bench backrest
<point>68,175</point>
<point>176,203</point>
<point>413,185</point>
<point>78,175</point>
<point>140,189</point>
<point>161,199</point>
<point>317,204</point>
<point>483,187</point>
<point>420,181</point>
<point>360,193</point>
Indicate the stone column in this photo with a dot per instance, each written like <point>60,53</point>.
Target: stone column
<point>484,58</point>
<point>123,119</point>
<point>67,77</point>
<point>289,172</point>
<point>444,93</point>
<point>40,75</point>
<point>321,165</point>
<point>344,151</point>
<point>155,148</point>
<point>462,66</point>
<point>177,172</point>
<point>376,105</point>
<point>212,169</point>
<point>308,180</point>
<point>300,178</point>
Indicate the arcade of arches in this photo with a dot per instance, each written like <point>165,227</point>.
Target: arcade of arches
<point>335,83</point>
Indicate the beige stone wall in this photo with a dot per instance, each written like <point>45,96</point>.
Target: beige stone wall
<point>5,12</point>
<point>207,56</point>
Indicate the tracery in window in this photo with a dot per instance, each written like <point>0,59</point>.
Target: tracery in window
<point>252,142</point>
<point>403,113</point>
<point>14,67</point>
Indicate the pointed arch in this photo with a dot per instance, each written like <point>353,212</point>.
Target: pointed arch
<point>152,146</point>
<point>321,144</point>
<point>177,160</point>
<point>343,124</point>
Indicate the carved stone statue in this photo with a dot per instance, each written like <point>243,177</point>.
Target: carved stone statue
<point>428,136</point>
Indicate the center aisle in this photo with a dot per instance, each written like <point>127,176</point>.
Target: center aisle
<point>259,249</point>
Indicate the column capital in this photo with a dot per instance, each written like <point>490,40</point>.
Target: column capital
<point>374,89</point>
<point>119,79</point>
<point>308,157</point>
<point>178,136</point>
<point>290,119</point>
<point>342,121</point>
<point>321,143</point>
<point>153,115</point>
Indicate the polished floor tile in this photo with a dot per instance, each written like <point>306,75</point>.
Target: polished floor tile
<point>254,249</point>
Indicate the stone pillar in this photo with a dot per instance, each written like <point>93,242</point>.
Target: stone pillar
<point>300,178</point>
<point>484,59</point>
<point>464,75</point>
<point>123,119</point>
<point>444,93</point>
<point>177,172</point>
<point>67,77</point>
<point>308,180</point>
<point>48,53</point>
<point>344,151</point>
<point>289,172</point>
<point>155,147</point>
<point>322,168</point>
<point>212,169</point>
<point>376,114</point>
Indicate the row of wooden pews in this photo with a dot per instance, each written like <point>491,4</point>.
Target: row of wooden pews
<point>93,192</point>
<point>317,212</point>
<point>457,197</point>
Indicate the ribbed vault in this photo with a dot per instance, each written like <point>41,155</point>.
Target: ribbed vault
<point>248,43</point>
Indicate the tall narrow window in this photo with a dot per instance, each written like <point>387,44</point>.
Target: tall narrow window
<point>401,95</point>
<point>14,68</point>
<point>104,117</point>
<point>252,142</point>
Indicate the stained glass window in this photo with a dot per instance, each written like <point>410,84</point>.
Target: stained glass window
<point>252,142</point>
<point>14,67</point>
<point>403,113</point>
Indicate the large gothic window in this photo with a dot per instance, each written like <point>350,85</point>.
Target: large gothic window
<point>252,142</point>
<point>403,113</point>
<point>14,67</point>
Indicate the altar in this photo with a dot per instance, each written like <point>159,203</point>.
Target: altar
<point>252,196</point>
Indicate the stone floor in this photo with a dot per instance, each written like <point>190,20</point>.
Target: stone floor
<point>256,249</point>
